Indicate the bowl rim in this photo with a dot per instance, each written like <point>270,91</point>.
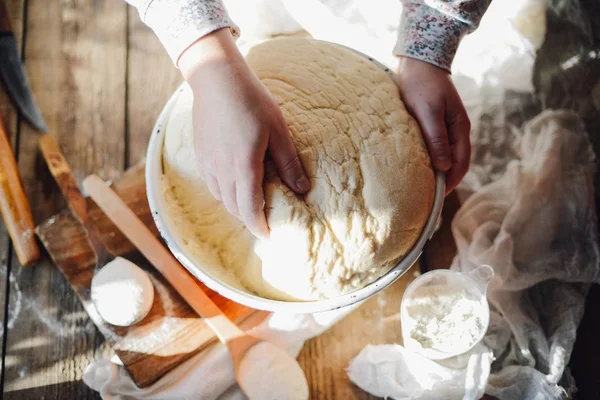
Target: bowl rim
<point>153,172</point>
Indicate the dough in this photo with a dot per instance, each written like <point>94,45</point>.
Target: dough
<point>372,180</point>
<point>122,292</point>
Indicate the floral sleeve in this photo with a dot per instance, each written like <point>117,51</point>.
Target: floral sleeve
<point>179,23</point>
<point>430,30</point>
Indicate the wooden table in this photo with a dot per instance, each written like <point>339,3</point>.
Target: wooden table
<point>101,77</point>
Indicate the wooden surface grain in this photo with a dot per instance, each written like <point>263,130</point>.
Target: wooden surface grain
<point>151,79</point>
<point>9,115</point>
<point>75,54</point>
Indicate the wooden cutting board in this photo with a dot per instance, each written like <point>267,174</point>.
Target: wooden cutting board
<point>172,332</point>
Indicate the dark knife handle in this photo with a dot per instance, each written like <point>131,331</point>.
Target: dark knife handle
<point>14,205</point>
<point>4,20</point>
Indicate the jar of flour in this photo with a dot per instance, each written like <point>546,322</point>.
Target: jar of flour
<point>445,313</point>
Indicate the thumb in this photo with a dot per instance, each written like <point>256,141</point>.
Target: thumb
<point>433,124</point>
<point>284,155</point>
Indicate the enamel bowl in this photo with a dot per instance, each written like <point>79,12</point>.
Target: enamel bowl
<point>175,241</point>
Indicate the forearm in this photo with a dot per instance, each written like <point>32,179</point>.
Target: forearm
<point>180,23</point>
<point>432,30</point>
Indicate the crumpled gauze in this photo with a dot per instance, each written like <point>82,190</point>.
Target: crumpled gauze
<point>536,226</point>
<point>391,371</point>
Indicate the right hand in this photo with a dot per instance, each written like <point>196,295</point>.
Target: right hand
<point>430,96</point>
<point>236,121</point>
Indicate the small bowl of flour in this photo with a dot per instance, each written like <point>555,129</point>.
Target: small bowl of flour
<point>445,313</point>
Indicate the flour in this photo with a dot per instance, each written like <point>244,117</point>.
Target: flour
<point>269,373</point>
<point>15,300</point>
<point>444,318</point>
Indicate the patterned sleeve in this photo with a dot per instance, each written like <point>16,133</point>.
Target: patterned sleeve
<point>430,30</point>
<point>179,23</point>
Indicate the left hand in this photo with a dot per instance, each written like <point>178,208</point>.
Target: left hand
<point>430,96</point>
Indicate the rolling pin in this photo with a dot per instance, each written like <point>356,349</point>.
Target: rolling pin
<point>14,205</point>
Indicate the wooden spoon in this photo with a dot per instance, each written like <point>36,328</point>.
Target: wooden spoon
<point>237,341</point>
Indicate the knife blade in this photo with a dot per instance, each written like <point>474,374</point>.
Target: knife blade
<point>13,74</point>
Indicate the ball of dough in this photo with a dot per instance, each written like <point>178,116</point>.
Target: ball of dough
<point>372,180</point>
<point>122,292</point>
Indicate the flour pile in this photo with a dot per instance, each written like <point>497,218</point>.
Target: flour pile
<point>443,318</point>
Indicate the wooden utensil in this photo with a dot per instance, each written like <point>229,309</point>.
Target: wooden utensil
<point>237,341</point>
<point>14,205</point>
<point>13,74</point>
<point>68,186</point>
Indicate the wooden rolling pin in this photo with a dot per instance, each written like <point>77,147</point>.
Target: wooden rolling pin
<point>14,205</point>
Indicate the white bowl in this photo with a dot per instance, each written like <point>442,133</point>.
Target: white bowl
<point>175,242</point>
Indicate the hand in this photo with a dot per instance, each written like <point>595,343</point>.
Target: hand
<point>430,96</point>
<point>236,121</point>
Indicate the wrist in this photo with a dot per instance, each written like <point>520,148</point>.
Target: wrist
<point>406,63</point>
<point>216,47</point>
<point>430,35</point>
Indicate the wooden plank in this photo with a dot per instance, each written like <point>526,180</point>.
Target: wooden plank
<point>75,60</point>
<point>148,88</point>
<point>9,116</point>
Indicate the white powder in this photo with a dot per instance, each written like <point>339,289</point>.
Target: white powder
<point>444,318</point>
<point>269,373</point>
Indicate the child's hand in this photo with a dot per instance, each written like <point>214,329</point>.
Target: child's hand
<point>430,96</point>
<point>236,120</point>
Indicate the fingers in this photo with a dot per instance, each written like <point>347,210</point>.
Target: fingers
<point>432,122</point>
<point>243,198</point>
<point>213,185</point>
<point>459,128</point>
<point>284,155</point>
<point>229,196</point>
<point>250,201</point>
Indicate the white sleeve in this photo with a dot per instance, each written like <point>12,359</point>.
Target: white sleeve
<point>179,23</point>
<point>431,30</point>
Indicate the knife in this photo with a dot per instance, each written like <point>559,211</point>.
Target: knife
<point>13,73</point>
<point>13,200</point>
